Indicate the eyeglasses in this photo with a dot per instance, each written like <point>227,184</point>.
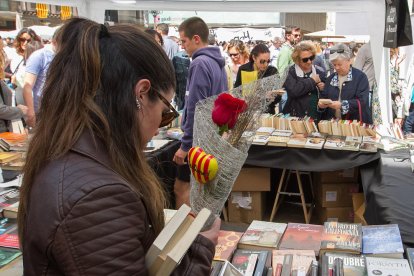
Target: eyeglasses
<point>296,35</point>
<point>305,60</point>
<point>234,55</point>
<point>167,116</point>
<point>265,61</point>
<point>23,40</point>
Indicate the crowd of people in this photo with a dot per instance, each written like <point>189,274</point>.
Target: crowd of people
<point>96,95</point>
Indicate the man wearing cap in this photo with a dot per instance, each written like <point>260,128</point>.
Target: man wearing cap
<point>348,88</point>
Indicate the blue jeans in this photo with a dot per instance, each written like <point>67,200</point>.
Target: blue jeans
<point>409,121</point>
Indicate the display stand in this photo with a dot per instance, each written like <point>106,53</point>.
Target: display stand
<point>283,184</point>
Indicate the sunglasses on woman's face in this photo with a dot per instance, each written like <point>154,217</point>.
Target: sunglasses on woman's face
<point>23,40</point>
<point>234,55</point>
<point>262,61</point>
<point>305,60</point>
<point>167,116</point>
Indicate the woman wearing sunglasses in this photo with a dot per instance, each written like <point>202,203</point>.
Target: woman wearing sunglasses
<point>90,204</point>
<point>23,38</point>
<point>239,55</point>
<point>258,67</point>
<point>303,82</point>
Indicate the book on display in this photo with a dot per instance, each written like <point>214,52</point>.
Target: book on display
<point>382,241</point>
<point>341,237</point>
<point>262,235</point>
<point>227,244</point>
<point>351,264</point>
<point>387,266</point>
<point>302,236</point>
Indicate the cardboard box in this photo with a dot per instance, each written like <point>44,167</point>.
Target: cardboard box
<point>246,206</point>
<point>342,176</point>
<point>336,195</point>
<point>253,180</point>
<point>340,214</point>
<point>358,202</point>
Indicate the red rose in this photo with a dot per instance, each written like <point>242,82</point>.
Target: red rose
<point>227,109</point>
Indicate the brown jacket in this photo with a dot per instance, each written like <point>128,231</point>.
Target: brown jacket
<point>84,219</point>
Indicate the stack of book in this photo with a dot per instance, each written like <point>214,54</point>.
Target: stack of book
<point>9,241</point>
<point>277,249</point>
<point>279,138</point>
<point>262,135</point>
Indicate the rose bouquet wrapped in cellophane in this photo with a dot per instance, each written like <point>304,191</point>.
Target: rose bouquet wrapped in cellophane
<point>224,127</point>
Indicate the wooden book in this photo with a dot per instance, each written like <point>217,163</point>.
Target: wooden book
<point>174,240</point>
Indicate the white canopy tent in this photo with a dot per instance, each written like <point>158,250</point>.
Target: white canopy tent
<point>44,32</point>
<point>374,11</point>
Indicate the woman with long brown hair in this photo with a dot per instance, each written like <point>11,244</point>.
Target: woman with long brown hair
<point>23,38</point>
<point>90,204</point>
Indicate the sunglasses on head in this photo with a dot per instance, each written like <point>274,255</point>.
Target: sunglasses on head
<point>305,60</point>
<point>167,116</point>
<point>264,61</point>
<point>234,55</point>
<point>339,51</point>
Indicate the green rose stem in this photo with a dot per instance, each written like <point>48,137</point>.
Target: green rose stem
<point>223,128</point>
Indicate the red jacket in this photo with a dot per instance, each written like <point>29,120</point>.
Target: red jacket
<point>84,219</point>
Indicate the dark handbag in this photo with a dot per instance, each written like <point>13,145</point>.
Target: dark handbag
<point>397,24</point>
<point>359,111</point>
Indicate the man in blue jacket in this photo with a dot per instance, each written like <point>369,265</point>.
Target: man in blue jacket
<point>206,78</point>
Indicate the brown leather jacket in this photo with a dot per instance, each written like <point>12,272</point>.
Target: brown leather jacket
<point>84,219</point>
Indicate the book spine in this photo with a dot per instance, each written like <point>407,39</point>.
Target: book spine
<point>260,267</point>
<point>287,265</point>
<point>338,267</point>
<point>324,265</point>
<point>410,254</point>
<point>278,270</point>
<point>313,269</point>
<point>251,265</point>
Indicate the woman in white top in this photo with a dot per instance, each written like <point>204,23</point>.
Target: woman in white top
<point>24,37</point>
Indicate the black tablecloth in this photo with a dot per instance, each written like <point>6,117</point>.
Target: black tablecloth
<point>388,183</point>
<point>164,167</point>
<point>389,193</point>
<point>307,159</point>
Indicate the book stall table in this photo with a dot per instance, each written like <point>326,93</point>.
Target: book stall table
<point>387,179</point>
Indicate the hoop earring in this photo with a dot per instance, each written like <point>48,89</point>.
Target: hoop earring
<point>137,103</point>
